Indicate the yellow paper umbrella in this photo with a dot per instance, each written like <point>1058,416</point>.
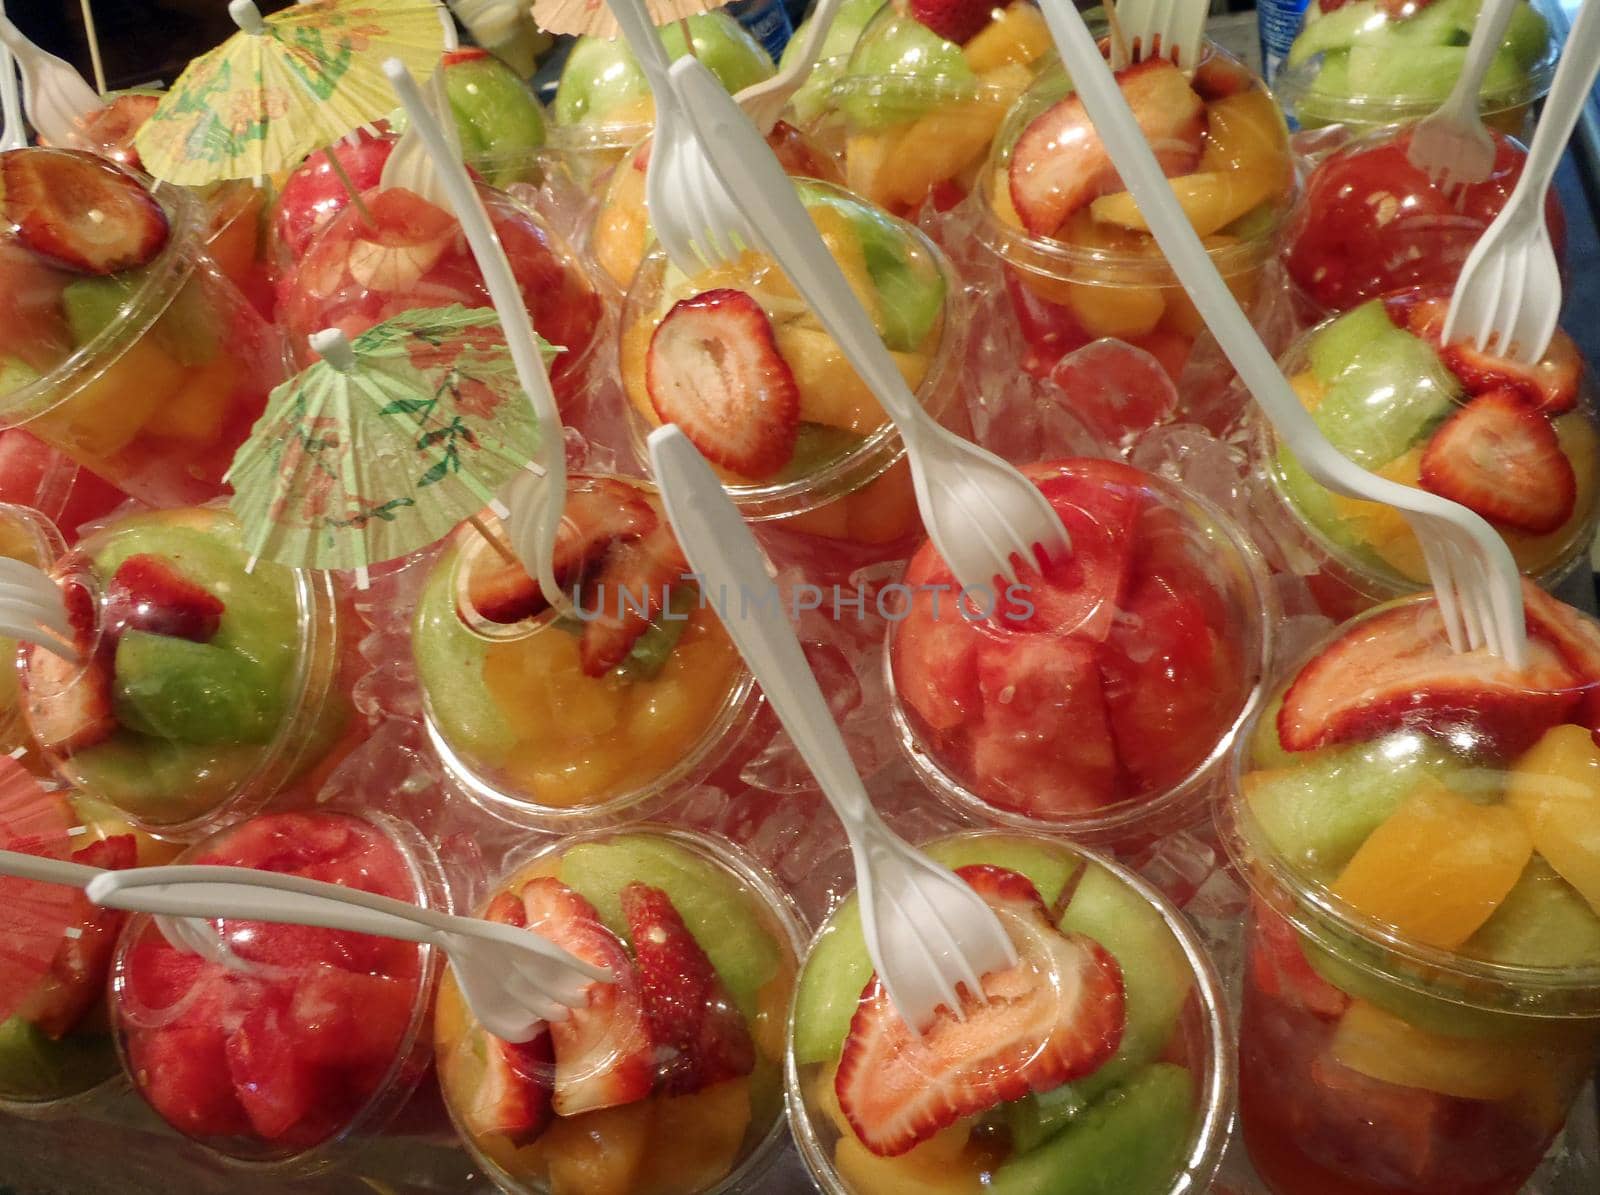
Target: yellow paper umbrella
<point>594,18</point>
<point>285,85</point>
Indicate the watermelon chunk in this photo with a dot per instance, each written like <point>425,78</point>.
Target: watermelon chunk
<point>183,1072</point>
<point>341,1017</point>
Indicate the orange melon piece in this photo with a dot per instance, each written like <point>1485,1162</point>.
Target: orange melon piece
<point>1438,867</point>
<point>1017,35</point>
<point>622,226</point>
<point>1555,788</point>
<point>936,1167</point>
<point>1383,1047</point>
<point>831,391</point>
<point>1384,529</point>
<point>196,412</point>
<point>1309,390</point>
<point>937,147</point>
<point>695,1140</point>
<point>1212,199</point>
<point>1246,133</point>
<point>883,510</point>
<point>598,1153</point>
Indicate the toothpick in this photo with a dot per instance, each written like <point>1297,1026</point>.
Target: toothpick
<point>94,46</point>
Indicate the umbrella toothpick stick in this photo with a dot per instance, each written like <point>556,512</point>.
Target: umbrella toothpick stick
<point>493,540</point>
<point>349,186</point>
<point>688,36</point>
<point>93,35</point>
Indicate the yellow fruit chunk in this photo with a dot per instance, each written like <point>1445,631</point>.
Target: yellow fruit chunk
<point>1555,788</point>
<point>1384,1047</point>
<point>1121,311</point>
<point>868,160</point>
<point>105,415</point>
<point>695,1140</point>
<point>845,247</point>
<point>935,148</point>
<point>1211,199</point>
<point>598,1153</point>
<point>1438,867</point>
<point>622,226</point>
<point>196,412</point>
<point>1017,35</point>
<point>936,1167</point>
<point>831,391</point>
<point>1245,132</point>
<point>1309,390</point>
<point>1382,528</point>
<point>883,510</point>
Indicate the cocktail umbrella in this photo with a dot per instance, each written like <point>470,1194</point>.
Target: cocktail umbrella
<point>593,17</point>
<point>285,85</point>
<point>386,444</point>
<point>33,821</point>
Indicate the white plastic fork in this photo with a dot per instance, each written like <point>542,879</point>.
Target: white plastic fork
<point>1476,581</point>
<point>55,96</point>
<point>410,165</point>
<point>31,609</point>
<point>765,101</point>
<point>1178,26</point>
<point>1452,146</point>
<point>1508,297</point>
<point>981,513</point>
<point>927,932</point>
<point>512,978</point>
<point>12,134</point>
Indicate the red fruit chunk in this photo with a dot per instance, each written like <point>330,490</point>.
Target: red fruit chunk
<point>1171,683</point>
<point>629,591</point>
<point>1056,1016</point>
<point>1044,744</point>
<point>286,842</point>
<point>315,193</point>
<point>715,370</point>
<point>1050,330</point>
<point>464,54</point>
<point>1399,1133</point>
<point>155,977</point>
<point>183,1072</point>
<point>1577,640</point>
<point>506,909</point>
<point>1396,672</point>
<point>1059,163</point>
<point>79,211</point>
<point>935,648</point>
<point>348,1018</point>
<point>566,308</point>
<point>1279,968</point>
<point>147,594</point>
<point>513,1099</point>
<point>116,853</point>
<point>275,1083</point>
<point>604,1054</point>
<point>110,131</point>
<point>953,20</point>
<point>700,1036</point>
<point>69,702</point>
<point>1500,457</point>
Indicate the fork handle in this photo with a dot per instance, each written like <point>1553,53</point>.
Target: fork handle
<point>1569,92</point>
<point>720,548</point>
<point>766,197</point>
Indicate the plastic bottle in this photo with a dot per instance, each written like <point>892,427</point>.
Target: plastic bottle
<point>767,21</point>
<point>1279,21</point>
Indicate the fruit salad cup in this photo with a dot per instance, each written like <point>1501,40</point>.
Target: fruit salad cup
<point>555,720</point>
<point>668,1081</point>
<point>120,343</point>
<point>56,1048</point>
<point>603,107</point>
<point>621,233</point>
<point>743,366</point>
<point>1422,975</point>
<point>28,536</point>
<point>203,687</point>
<point>1099,1064</point>
<point>314,193</point>
<point>1079,261</point>
<point>1515,443</point>
<point>1367,63</point>
<point>1369,222</point>
<point>1100,699</point>
<point>925,91</point>
<point>298,1038</point>
<point>398,253</point>
<point>500,122</point>
<point>814,96</point>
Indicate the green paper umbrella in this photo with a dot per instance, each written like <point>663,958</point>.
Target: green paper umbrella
<point>386,444</point>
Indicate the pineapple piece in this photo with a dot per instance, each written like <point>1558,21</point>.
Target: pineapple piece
<point>831,391</point>
<point>1555,789</point>
<point>1246,133</point>
<point>1018,35</point>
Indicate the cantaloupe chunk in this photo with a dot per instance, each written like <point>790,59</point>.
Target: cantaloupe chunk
<point>1555,788</point>
<point>1017,35</point>
<point>1245,132</point>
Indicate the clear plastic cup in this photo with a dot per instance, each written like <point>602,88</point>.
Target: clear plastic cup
<point>846,479</point>
<point>1101,701</point>
<point>919,109</point>
<point>1079,264</point>
<point>1369,222</point>
<point>305,1039</point>
<point>40,477</point>
<point>561,723</point>
<point>1375,62</point>
<point>645,1114</point>
<point>399,253</point>
<point>1388,398</point>
<point>150,376</point>
<point>56,1051</point>
<point>1422,970</point>
<point>204,688</point>
<point>1147,1113</point>
<point>499,120</point>
<point>28,536</point>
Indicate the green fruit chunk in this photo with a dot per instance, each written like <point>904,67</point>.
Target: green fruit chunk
<point>163,781</point>
<point>1543,922</point>
<point>1343,342</point>
<point>1418,73</point>
<point>1445,23</point>
<point>910,287</point>
<point>718,912</point>
<point>450,661</point>
<point>34,1066</point>
<point>15,373</point>
<point>190,692</point>
<point>495,113</point>
<point>1527,36</point>
<point>653,648</point>
<point>816,446</point>
<point>1129,1143</point>
<point>904,70</point>
<point>1336,30</point>
<point>1312,500</point>
<point>187,330</point>
<point>1047,868</point>
<point>1318,808</point>
<point>93,304</point>
<point>812,99</point>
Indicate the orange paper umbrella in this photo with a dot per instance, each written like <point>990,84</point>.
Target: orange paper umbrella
<point>593,17</point>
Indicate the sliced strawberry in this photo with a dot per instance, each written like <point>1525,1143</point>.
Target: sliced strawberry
<point>1059,163</point>
<point>1080,592</point>
<point>1575,637</point>
<point>714,369</point>
<point>110,131</point>
<point>954,20</point>
<point>628,592</point>
<point>1396,672</point>
<point>1500,457</point>
<point>1044,745</point>
<point>700,1035</point>
<point>603,1051</point>
<point>69,703</point>
<point>79,211</point>
<point>147,594</point>
<point>506,909</point>
<point>599,511</point>
<point>513,1098</point>
<point>1054,1017</point>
